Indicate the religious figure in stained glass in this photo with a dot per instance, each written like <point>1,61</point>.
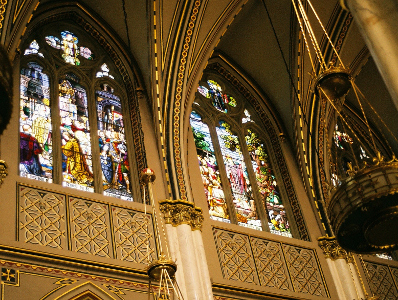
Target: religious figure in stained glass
<point>267,185</point>
<point>35,124</point>
<point>75,132</point>
<point>112,143</point>
<point>219,99</point>
<point>238,177</point>
<point>69,45</point>
<point>209,169</point>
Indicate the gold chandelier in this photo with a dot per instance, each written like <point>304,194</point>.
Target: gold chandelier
<point>161,271</point>
<point>364,203</point>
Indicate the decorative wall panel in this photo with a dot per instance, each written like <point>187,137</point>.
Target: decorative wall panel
<point>270,264</point>
<point>304,270</point>
<point>235,256</point>
<point>381,280</point>
<point>133,235</point>
<point>90,227</point>
<point>41,217</point>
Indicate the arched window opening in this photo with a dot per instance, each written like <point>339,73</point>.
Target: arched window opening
<point>112,144</point>
<point>239,182</point>
<point>35,124</point>
<point>77,160</point>
<point>90,152</point>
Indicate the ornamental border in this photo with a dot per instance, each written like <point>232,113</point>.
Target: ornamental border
<point>177,101</point>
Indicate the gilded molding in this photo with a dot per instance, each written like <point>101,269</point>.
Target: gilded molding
<point>178,97</point>
<point>3,4</point>
<point>3,171</point>
<point>333,250</point>
<point>177,212</point>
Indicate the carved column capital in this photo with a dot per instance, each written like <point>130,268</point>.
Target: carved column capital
<point>177,212</point>
<point>333,250</point>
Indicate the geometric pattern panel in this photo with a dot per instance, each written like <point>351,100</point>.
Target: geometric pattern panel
<point>271,266</point>
<point>304,270</point>
<point>133,233</point>
<point>90,229</point>
<point>41,217</point>
<point>381,282</point>
<point>268,263</point>
<point>100,229</point>
<point>235,256</point>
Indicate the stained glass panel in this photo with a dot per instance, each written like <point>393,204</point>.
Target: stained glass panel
<point>219,99</point>
<point>113,146</point>
<point>53,41</point>
<point>86,53</point>
<point>75,133</point>
<point>247,117</point>
<point>267,185</point>
<point>36,158</point>
<point>340,138</point>
<point>33,49</point>
<point>69,45</point>
<point>104,72</point>
<point>238,178</point>
<point>209,169</point>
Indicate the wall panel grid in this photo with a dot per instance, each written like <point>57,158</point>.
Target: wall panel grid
<point>382,280</point>
<point>268,263</point>
<point>62,221</point>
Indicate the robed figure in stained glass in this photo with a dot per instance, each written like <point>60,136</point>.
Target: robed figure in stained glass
<point>29,152</point>
<point>76,164</point>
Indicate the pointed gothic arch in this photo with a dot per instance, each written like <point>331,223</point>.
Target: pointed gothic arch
<point>266,128</point>
<point>126,80</point>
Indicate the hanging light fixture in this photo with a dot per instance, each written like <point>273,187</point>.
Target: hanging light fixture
<point>364,203</point>
<point>161,271</point>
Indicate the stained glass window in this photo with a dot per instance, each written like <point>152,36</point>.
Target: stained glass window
<point>236,172</point>
<point>35,124</point>
<point>113,146</point>
<point>238,178</point>
<point>69,45</point>
<point>209,169</point>
<point>104,72</point>
<point>219,99</point>
<point>341,137</point>
<point>75,133</point>
<point>33,49</point>
<point>267,185</point>
<point>82,114</point>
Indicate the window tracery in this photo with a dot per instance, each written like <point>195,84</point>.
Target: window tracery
<point>226,145</point>
<point>81,111</point>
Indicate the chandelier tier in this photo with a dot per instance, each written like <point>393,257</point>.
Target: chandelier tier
<point>365,206</point>
<point>363,202</point>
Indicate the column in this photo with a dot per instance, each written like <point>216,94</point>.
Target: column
<point>345,275</point>
<point>378,23</point>
<point>183,223</point>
